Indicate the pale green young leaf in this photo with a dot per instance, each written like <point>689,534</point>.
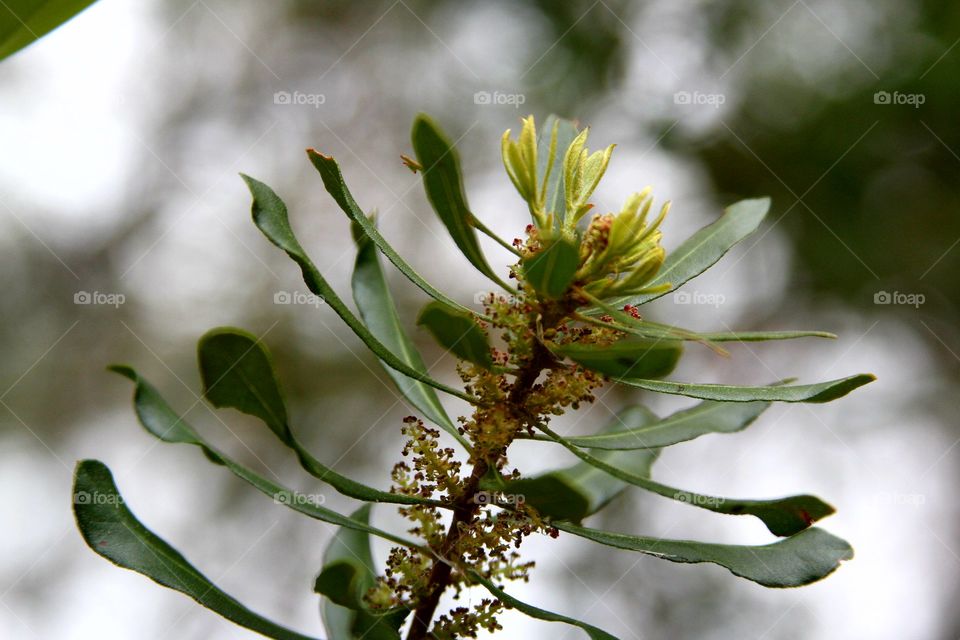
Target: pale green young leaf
<point>566,131</point>
<point>703,249</point>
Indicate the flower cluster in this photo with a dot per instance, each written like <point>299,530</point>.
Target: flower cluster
<point>618,253</point>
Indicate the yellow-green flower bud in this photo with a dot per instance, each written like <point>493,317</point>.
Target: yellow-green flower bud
<point>520,161</point>
<point>582,172</point>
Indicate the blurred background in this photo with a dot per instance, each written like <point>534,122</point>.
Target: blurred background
<point>126,235</point>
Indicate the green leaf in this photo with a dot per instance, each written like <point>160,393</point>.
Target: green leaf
<point>550,271</point>
<point>336,187</point>
<point>443,182</point>
<point>702,250</point>
<point>457,332</point>
<point>819,392</point>
<point>782,516</point>
<point>379,313</point>
<point>801,559</point>
<point>540,614</point>
<point>160,420</point>
<point>24,21</point>
<point>701,419</point>
<point>576,492</point>
<point>629,357</point>
<point>237,372</point>
<point>112,531</point>
<point>270,216</point>
<point>762,336</point>
<point>554,202</point>
<point>346,576</point>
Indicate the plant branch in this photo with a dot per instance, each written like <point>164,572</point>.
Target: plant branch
<point>466,507</point>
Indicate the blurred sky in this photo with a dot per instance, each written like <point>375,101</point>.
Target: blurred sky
<point>123,135</point>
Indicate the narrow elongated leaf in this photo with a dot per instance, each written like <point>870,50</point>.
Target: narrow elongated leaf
<point>270,216</point>
<point>540,614</point>
<point>379,313</point>
<point>629,357</point>
<point>554,202</point>
<point>23,21</point>
<point>806,557</point>
<point>443,182</point>
<point>112,531</point>
<point>762,336</point>
<point>457,332</point>
<point>160,420</point>
<point>346,576</point>
<point>819,392</point>
<point>702,250</point>
<point>336,187</point>
<point>705,417</point>
<point>550,271</point>
<point>782,516</point>
<point>576,492</point>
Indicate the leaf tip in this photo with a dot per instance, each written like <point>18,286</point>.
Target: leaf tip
<point>124,370</point>
<point>313,153</point>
